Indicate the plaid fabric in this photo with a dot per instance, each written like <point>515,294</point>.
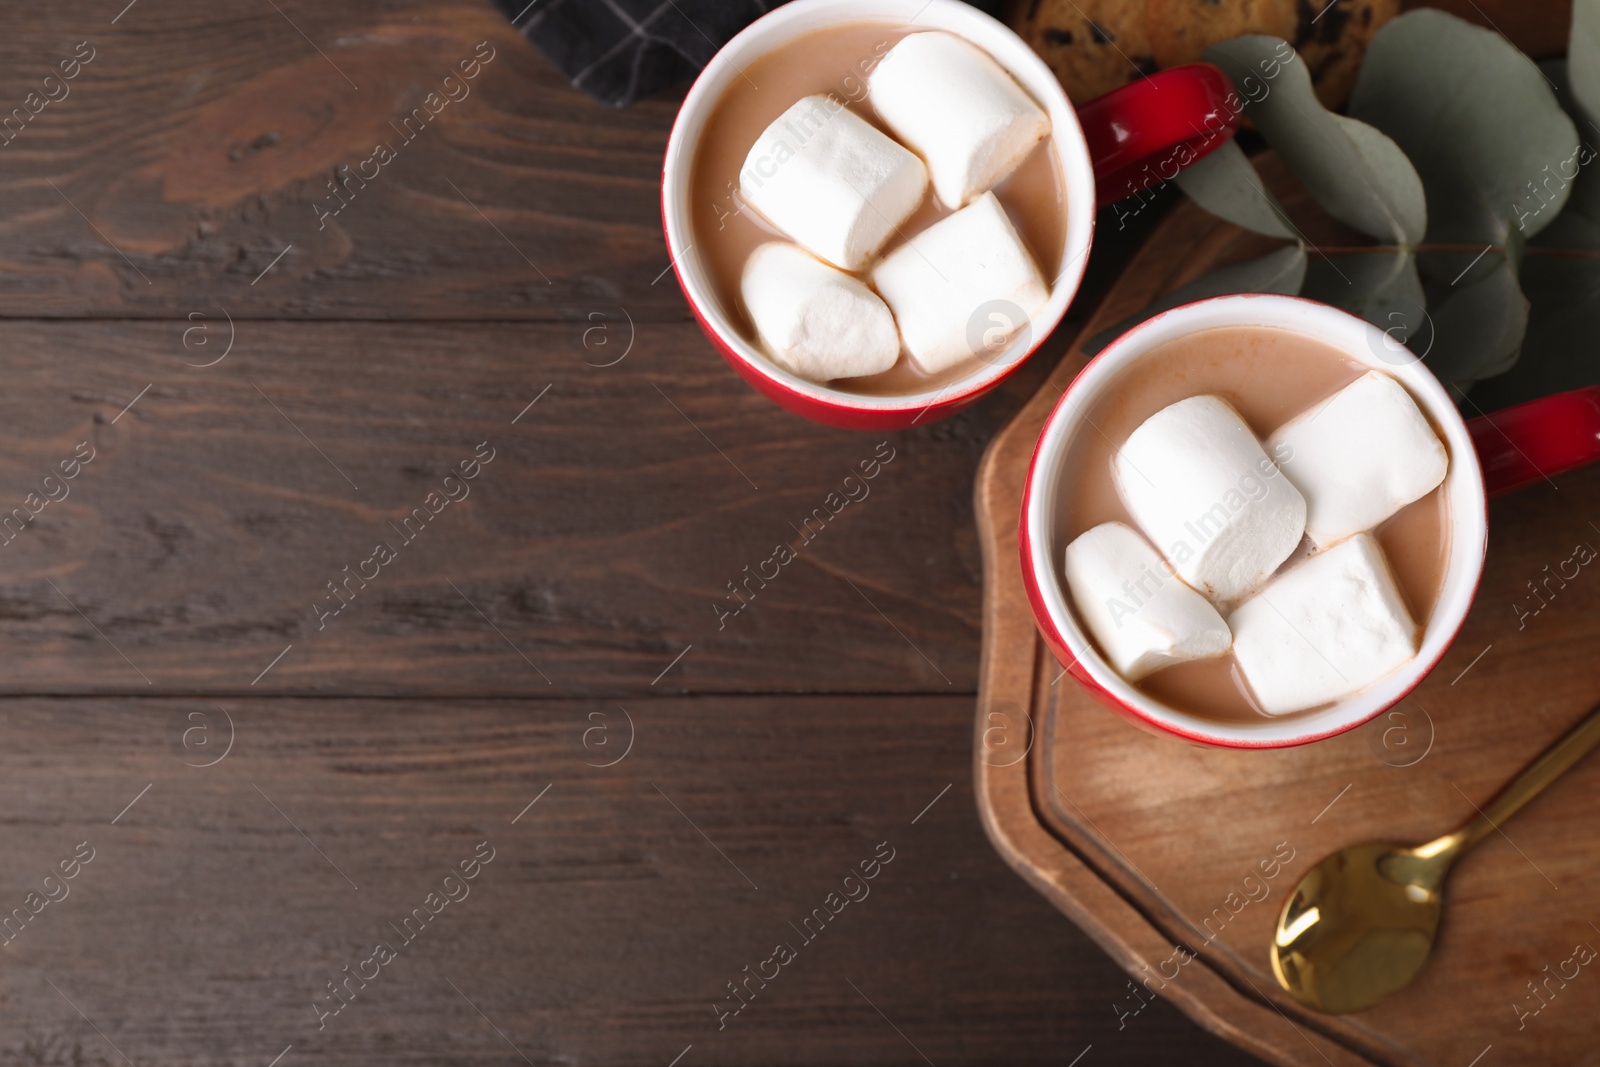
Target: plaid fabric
<point>620,51</point>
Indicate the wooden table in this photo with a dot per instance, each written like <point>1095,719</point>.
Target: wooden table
<point>268,788</point>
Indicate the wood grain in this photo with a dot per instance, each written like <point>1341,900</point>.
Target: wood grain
<point>1149,843</point>
<point>603,929</point>
<point>600,542</point>
<point>193,148</point>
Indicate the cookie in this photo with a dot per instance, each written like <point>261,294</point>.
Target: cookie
<point>1093,46</point>
<point>1334,41</point>
<point>1330,35</point>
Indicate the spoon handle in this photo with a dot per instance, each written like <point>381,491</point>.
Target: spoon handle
<point>1552,764</point>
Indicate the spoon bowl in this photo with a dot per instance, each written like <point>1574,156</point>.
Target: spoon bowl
<point>1360,925</point>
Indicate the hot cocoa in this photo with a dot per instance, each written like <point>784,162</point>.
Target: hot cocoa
<point>751,185</point>
<point>1275,412</point>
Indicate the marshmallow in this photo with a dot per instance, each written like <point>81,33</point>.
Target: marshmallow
<point>832,181</point>
<point>962,286</point>
<point>1324,629</point>
<point>1196,481</point>
<point>1359,456</point>
<point>816,321</point>
<point>959,109</point>
<point>1142,617</point>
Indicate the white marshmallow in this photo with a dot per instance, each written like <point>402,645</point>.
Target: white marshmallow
<point>815,320</point>
<point>1196,481</point>
<point>959,109</point>
<point>1323,629</point>
<point>1359,456</point>
<point>832,181</point>
<point>1142,617</point>
<point>962,286</point>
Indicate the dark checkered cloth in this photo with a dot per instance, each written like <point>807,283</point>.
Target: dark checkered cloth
<point>620,51</point>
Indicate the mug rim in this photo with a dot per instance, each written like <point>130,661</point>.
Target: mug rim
<point>784,24</point>
<point>1467,516</point>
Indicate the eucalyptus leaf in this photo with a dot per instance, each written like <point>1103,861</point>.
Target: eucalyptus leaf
<point>1477,118</point>
<point>1479,326</point>
<point>1357,174</point>
<point>1283,271</point>
<point>1577,224</point>
<point>1380,286</point>
<point>1583,57</point>
<point>1559,351</point>
<point>1227,185</point>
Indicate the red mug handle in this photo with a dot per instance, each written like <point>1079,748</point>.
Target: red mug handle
<point>1145,132</point>
<point>1520,445</point>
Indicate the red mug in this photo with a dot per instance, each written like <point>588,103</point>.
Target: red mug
<point>1113,146</point>
<point>1488,456</point>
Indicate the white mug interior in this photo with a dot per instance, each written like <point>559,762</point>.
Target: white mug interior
<point>798,18</point>
<point>1362,342</point>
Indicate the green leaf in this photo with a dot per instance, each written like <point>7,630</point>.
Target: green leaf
<point>1577,224</point>
<point>1477,118</point>
<point>1583,57</point>
<point>1381,287</point>
<point>1358,175</point>
<point>1479,326</point>
<point>1227,185</point>
<point>1559,351</point>
<point>1283,271</point>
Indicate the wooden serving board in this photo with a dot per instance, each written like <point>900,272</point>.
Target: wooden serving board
<point>1153,845</point>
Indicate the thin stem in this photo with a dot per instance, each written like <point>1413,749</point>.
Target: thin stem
<point>1358,250</point>
<point>1565,253</point>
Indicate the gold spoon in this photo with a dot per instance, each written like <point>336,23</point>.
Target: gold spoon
<point>1361,923</point>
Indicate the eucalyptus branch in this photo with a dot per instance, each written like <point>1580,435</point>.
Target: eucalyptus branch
<point>1357,250</point>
